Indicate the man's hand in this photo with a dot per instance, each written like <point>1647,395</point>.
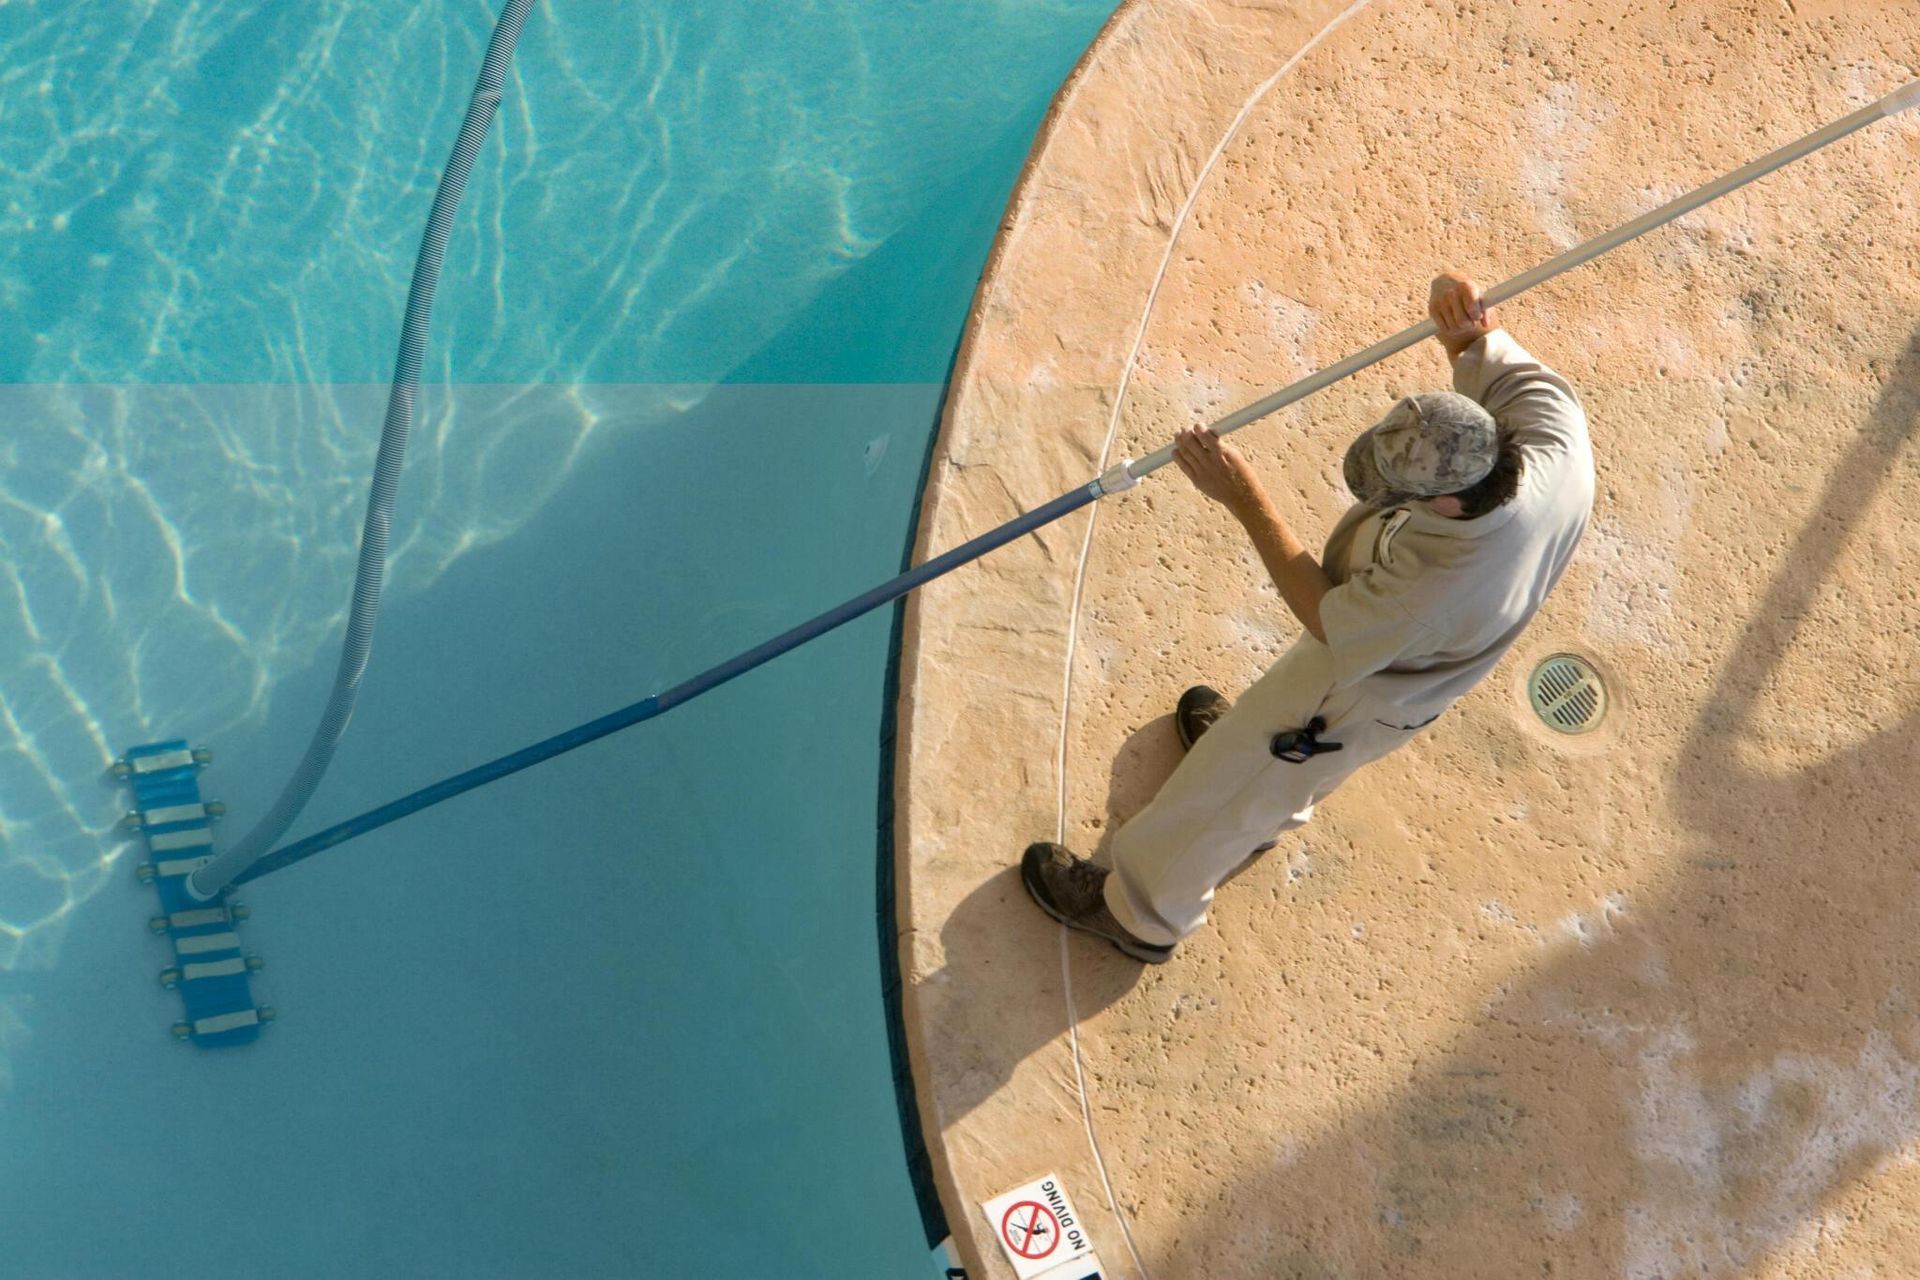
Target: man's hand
<point>1217,469</point>
<point>1454,303</point>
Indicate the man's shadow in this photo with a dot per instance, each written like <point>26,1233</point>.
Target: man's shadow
<point>1687,1095</point>
<point>974,941</point>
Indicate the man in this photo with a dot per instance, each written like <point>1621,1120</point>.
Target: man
<point>1470,505</point>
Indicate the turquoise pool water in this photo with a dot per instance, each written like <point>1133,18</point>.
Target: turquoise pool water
<point>620,1015</point>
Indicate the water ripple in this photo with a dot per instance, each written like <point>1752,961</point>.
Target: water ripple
<point>225,191</point>
<point>209,212</point>
<point>168,553</point>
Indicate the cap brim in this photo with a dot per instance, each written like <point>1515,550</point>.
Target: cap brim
<point>1362,472</point>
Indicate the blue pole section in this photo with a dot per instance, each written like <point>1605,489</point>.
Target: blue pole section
<point>687,690</point>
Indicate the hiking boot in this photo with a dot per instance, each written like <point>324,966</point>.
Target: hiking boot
<point>1069,889</point>
<point>1199,707</point>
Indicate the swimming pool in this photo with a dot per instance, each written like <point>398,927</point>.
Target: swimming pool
<point>619,1015</point>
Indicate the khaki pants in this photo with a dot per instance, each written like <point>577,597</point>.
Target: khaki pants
<point>1231,794</point>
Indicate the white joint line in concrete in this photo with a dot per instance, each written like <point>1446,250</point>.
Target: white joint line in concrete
<point>1086,1112</point>
<point>1086,549</point>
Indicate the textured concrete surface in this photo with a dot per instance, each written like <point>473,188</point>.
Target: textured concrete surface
<point>1644,1003</point>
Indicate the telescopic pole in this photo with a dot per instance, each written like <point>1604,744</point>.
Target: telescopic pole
<point>1894,103</point>
<point>1121,476</point>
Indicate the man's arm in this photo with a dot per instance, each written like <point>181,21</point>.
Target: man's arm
<point>1301,580</point>
<point>1531,401</point>
<point>1219,471</point>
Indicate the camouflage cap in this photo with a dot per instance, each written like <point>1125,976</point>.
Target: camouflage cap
<point>1428,444</point>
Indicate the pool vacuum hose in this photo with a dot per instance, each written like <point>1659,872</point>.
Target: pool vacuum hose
<point>206,883</point>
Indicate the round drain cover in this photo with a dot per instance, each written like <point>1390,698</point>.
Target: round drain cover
<point>1566,693</point>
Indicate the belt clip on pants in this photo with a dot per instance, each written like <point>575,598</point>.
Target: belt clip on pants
<point>1297,746</point>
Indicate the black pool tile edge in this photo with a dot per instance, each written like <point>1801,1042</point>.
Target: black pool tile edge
<point>933,1216</point>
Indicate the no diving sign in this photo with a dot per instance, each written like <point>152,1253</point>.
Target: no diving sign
<point>1037,1227</point>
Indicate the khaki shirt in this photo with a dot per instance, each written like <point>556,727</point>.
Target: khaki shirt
<point>1424,606</point>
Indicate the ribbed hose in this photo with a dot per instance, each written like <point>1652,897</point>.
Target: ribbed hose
<point>209,880</point>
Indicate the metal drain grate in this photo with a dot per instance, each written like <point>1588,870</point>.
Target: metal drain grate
<point>1566,692</point>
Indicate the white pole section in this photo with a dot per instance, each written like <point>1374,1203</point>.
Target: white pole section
<point>1901,99</point>
<point>1897,101</point>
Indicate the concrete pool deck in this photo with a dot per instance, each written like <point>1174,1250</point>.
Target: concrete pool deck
<point>1639,1003</point>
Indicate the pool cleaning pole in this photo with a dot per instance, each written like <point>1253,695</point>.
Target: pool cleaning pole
<point>1121,476</point>
<point>1894,103</point>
